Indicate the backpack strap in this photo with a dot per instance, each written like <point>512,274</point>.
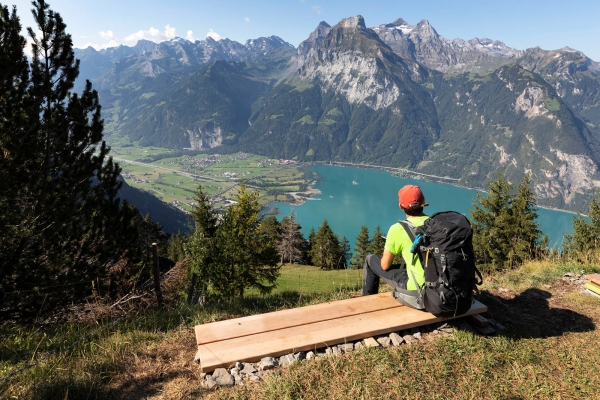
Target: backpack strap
<point>409,228</point>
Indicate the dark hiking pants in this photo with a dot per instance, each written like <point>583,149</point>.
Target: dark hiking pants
<point>395,276</point>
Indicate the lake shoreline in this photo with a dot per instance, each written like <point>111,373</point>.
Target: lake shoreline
<point>311,190</point>
<point>352,197</point>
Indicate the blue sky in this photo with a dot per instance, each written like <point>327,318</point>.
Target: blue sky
<point>550,24</point>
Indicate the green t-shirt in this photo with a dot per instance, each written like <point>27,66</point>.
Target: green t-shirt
<point>397,241</point>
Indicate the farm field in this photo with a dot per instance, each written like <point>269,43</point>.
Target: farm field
<point>174,178</point>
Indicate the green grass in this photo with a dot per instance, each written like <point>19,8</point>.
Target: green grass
<point>552,105</point>
<point>545,352</point>
<point>307,119</point>
<point>148,95</point>
<point>308,279</point>
<point>334,112</point>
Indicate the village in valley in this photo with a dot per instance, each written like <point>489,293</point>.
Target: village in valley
<point>175,178</point>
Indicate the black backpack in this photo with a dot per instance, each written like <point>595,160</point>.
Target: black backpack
<point>444,244</point>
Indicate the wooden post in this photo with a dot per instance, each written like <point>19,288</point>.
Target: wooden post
<point>191,289</point>
<point>156,274</point>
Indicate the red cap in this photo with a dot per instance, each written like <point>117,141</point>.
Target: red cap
<point>411,197</point>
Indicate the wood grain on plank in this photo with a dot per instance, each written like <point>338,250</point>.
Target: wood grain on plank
<point>594,278</point>
<point>244,326</point>
<point>315,335</point>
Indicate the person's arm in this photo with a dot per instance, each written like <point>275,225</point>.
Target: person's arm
<point>386,260</point>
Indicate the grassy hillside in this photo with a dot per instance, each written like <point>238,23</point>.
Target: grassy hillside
<point>544,353</point>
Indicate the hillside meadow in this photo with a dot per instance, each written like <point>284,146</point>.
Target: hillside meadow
<point>544,352</point>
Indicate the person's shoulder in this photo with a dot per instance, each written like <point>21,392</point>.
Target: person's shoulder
<point>418,221</point>
<point>397,227</point>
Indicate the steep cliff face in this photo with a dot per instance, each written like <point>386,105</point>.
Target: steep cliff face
<point>353,99</point>
<point>353,62</point>
<point>205,138</point>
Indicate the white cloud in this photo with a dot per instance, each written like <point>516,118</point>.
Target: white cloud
<point>247,19</point>
<point>153,34</point>
<point>170,32</point>
<point>111,43</point>
<point>190,36</point>
<point>214,35</point>
<point>317,9</point>
<point>108,35</point>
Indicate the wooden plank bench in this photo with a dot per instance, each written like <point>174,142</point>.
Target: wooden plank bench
<point>249,339</point>
<point>594,278</point>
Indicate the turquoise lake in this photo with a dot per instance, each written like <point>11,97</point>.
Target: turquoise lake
<point>374,201</point>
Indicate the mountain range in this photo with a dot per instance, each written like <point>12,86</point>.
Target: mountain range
<point>396,95</point>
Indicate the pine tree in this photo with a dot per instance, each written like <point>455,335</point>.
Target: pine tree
<point>377,242</point>
<point>325,251</point>
<point>312,236</point>
<point>199,247</point>
<point>243,256</point>
<point>584,242</point>
<point>346,255</point>
<point>362,244</point>
<point>504,224</point>
<point>490,215</point>
<point>204,215</point>
<point>290,239</point>
<point>271,228</point>
<point>526,232</point>
<point>67,223</point>
<point>14,81</point>
<point>176,247</point>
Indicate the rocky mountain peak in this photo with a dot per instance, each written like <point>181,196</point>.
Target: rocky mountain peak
<point>306,48</point>
<point>399,22</point>
<point>315,36</point>
<point>271,44</point>
<point>356,22</point>
<point>321,31</point>
<point>426,31</point>
<point>355,63</point>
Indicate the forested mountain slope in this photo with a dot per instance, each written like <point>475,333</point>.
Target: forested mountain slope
<point>512,120</point>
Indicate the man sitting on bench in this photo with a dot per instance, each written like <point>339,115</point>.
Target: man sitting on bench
<point>411,200</point>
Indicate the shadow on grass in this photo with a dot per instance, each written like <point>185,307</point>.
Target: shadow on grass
<point>529,315</point>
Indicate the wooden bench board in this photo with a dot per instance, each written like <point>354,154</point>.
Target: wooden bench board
<point>311,336</point>
<point>594,278</point>
<point>244,326</point>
